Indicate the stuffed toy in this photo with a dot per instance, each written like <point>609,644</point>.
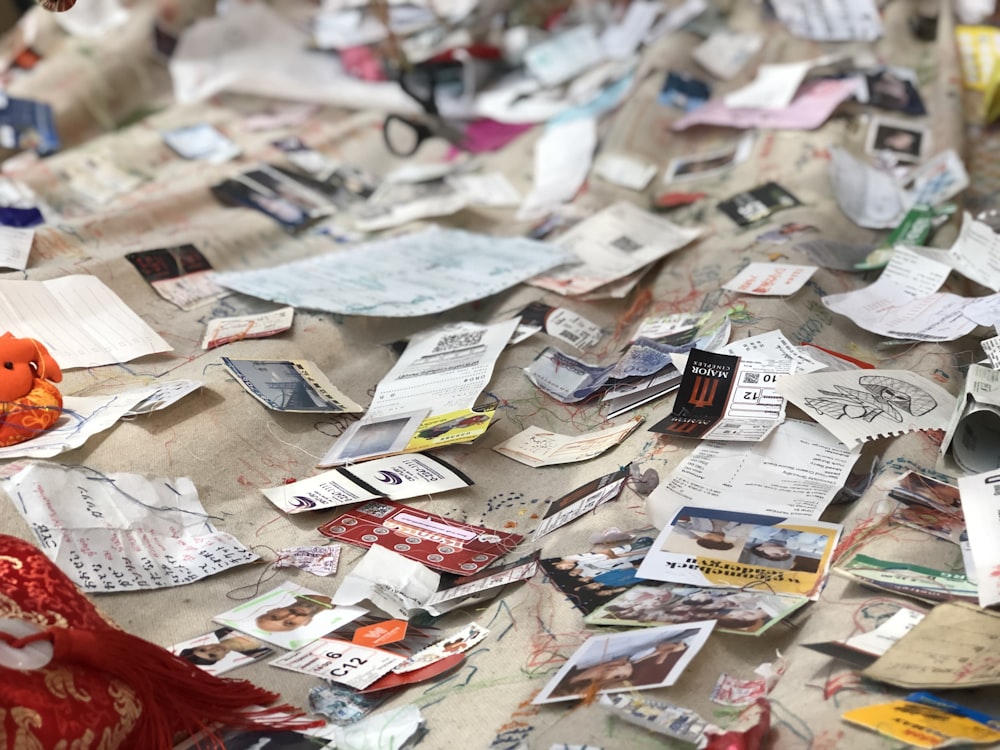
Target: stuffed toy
<point>29,403</point>
<point>70,679</point>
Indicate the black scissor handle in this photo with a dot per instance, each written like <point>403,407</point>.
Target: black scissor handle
<point>420,134</point>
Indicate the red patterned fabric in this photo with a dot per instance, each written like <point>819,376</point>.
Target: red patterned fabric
<point>62,705</point>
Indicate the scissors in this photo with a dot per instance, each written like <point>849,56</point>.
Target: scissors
<point>404,135</point>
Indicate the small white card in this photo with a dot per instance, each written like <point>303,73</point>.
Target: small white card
<point>166,394</point>
<point>992,348</point>
<point>395,477</point>
<point>725,54</point>
<point>219,331</point>
<point>775,279</point>
<point>201,141</point>
<point>320,561</point>
<point>492,189</point>
<point>876,642</point>
<point>340,661</point>
<point>15,247</point>
<point>624,171</point>
<point>981,506</point>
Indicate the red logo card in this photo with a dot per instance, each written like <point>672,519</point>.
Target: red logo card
<point>428,538</point>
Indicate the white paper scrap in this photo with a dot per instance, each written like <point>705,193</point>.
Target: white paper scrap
<point>625,171</point>
<point>992,348</point>
<point>613,243</point>
<point>82,418</point>
<point>778,279</point>
<point>976,253</point>
<point>876,642</point>
<point>416,274</point>
<point>564,56</point>
<point>393,584</point>
<point>79,319</point>
<point>774,86</point>
<point>869,197</point>
<point>563,154</point>
<point>491,189</point>
<point>773,345</point>
<point>725,54</point>
<point>15,247</point>
<point>902,302</point>
<point>981,506</point>
<point>537,447</point>
<point>219,331</point>
<point>830,20</point>
<point>121,532</point>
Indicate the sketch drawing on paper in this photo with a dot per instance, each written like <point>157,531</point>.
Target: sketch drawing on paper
<point>882,397</point>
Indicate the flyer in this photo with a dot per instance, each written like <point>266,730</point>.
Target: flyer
<point>711,547</point>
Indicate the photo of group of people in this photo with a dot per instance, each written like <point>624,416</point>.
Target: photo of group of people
<point>595,577</point>
<point>647,658</point>
<point>746,611</point>
<point>710,547</point>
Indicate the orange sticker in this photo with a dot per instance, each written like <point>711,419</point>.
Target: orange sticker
<point>380,633</point>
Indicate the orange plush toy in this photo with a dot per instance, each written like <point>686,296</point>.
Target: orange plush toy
<point>29,403</point>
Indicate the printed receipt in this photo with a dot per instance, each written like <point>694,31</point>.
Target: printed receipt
<point>795,472</point>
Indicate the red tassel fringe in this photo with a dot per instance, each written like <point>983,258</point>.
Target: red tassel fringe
<point>176,696</point>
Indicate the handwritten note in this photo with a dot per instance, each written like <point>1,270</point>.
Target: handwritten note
<point>121,532</point>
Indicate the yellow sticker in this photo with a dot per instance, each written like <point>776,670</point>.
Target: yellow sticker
<point>454,427</point>
<point>920,725</point>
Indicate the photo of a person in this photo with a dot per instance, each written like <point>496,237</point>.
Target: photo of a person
<point>888,89</point>
<point>650,665</point>
<point>221,650</point>
<point>904,141</point>
<point>779,548</point>
<point>293,616</point>
<point>289,616</point>
<point>706,534</point>
<point>709,533</point>
<point>642,658</point>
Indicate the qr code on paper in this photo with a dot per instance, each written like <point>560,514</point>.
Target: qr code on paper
<point>454,341</point>
<point>751,377</point>
<point>379,510</point>
<point>626,244</point>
